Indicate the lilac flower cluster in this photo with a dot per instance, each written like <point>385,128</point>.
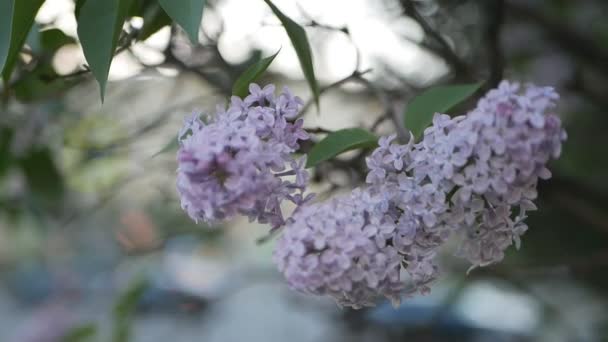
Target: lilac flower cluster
<point>474,176</point>
<point>396,220</point>
<point>339,248</point>
<point>481,168</point>
<point>501,150</point>
<point>379,241</point>
<point>239,161</point>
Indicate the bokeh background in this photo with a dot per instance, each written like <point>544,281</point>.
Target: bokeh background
<point>94,245</point>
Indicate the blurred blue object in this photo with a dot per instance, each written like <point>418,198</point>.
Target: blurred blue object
<point>31,283</point>
<point>432,320</point>
<point>414,314</point>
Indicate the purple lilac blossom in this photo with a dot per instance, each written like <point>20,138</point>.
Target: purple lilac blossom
<point>490,161</point>
<point>240,160</point>
<point>421,226</point>
<point>379,241</point>
<point>338,248</point>
<point>472,175</point>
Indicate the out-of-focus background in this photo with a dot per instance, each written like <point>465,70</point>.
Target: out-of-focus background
<point>94,245</point>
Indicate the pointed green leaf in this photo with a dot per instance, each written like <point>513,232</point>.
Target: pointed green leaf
<point>42,175</point>
<point>155,18</point>
<point>420,111</point>
<point>19,25</point>
<point>252,74</point>
<point>77,6</point>
<point>127,301</point>
<point>99,26</point>
<point>6,157</point>
<point>5,30</point>
<point>81,333</point>
<point>124,309</point>
<point>33,39</point>
<point>187,13</point>
<point>52,39</point>
<point>298,38</point>
<point>338,142</point>
<point>172,145</point>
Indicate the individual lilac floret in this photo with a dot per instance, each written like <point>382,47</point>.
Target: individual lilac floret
<point>240,161</point>
<point>493,158</point>
<point>354,248</point>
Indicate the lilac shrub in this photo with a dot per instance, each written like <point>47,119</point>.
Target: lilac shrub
<point>239,161</point>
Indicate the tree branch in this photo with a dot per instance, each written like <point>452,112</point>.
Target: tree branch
<point>496,16</point>
<point>443,49</point>
<point>356,75</point>
<point>569,40</point>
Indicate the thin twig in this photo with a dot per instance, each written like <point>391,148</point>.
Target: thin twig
<point>570,41</point>
<point>389,110</point>
<point>313,23</point>
<point>461,69</point>
<point>355,75</point>
<point>127,40</point>
<point>269,236</point>
<point>496,15</point>
<point>318,130</point>
<point>379,121</point>
<point>172,59</point>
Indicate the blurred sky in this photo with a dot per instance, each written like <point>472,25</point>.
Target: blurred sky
<point>383,38</point>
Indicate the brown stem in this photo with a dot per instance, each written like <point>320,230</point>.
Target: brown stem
<point>443,49</point>
<point>496,15</point>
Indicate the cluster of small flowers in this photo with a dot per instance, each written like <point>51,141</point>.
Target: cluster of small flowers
<point>339,248</point>
<point>492,159</point>
<point>239,160</point>
<point>466,175</point>
<point>422,206</point>
<point>355,247</point>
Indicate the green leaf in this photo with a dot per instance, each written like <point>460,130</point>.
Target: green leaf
<point>53,39</point>
<point>338,142</point>
<point>124,309</point>
<point>173,145</point>
<point>6,157</point>
<point>81,333</point>
<point>170,146</point>
<point>42,175</point>
<point>5,31</point>
<point>155,18</point>
<point>77,7</point>
<point>420,111</point>
<point>42,81</point>
<point>34,85</point>
<point>17,26</point>
<point>298,38</point>
<point>252,74</point>
<point>99,26</point>
<point>136,8</point>
<point>33,39</point>
<point>187,13</point>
